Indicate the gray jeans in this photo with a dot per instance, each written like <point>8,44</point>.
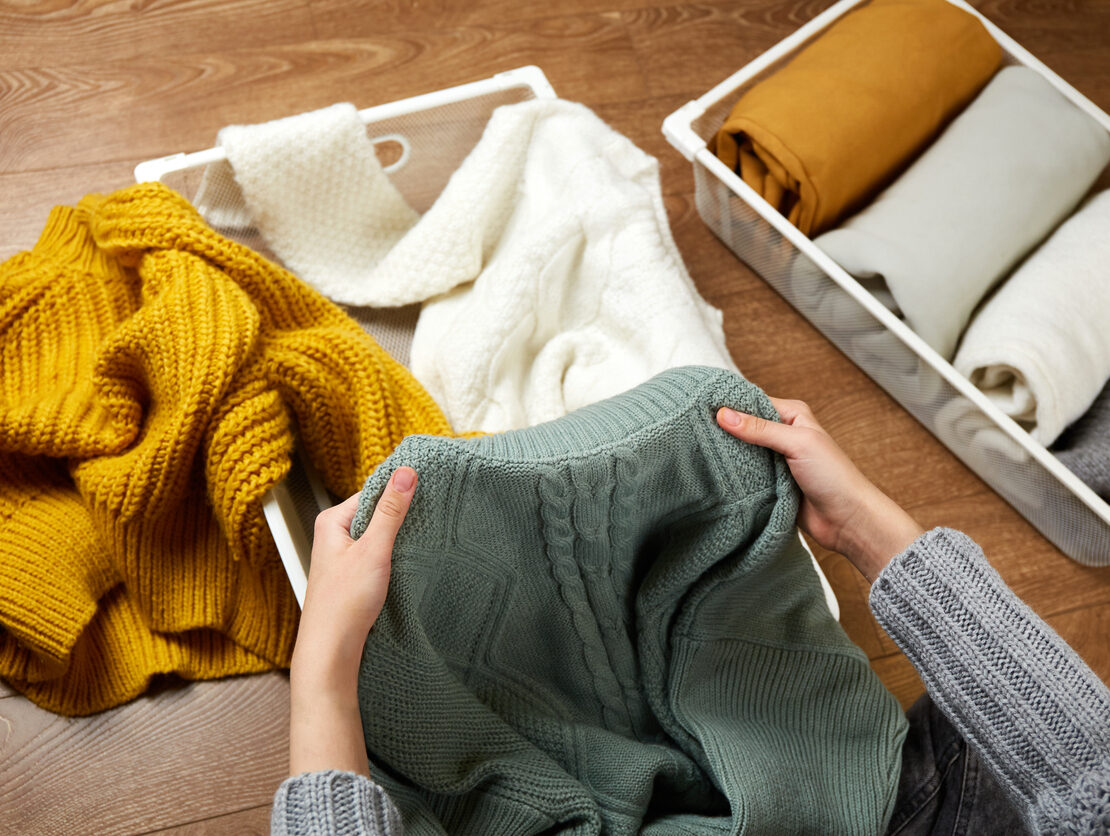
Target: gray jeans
<point>945,789</point>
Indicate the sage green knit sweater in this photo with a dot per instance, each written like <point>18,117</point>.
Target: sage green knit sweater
<point>606,624</point>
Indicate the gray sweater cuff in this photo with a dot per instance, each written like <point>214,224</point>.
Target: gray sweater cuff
<point>318,803</point>
<point>1036,714</point>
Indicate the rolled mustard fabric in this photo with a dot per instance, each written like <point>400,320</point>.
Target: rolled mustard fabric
<point>150,375</point>
<point>826,131</point>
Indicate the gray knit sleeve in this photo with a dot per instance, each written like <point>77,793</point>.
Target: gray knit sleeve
<point>333,802</point>
<point>1037,715</point>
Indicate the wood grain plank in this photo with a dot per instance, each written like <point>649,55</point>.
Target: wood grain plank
<point>588,57</point>
<point>1074,599</point>
<point>177,755</point>
<point>48,33</point>
<point>690,47</point>
<point>1085,628</point>
<point>338,15</point>
<point>900,678</point>
<point>1034,569</point>
<point>152,106</point>
<point>27,197</point>
<point>1055,587</point>
<point>851,590</point>
<point>252,822</point>
<point>1068,35</point>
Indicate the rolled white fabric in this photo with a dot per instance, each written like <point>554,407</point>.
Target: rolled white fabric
<point>1040,347</point>
<point>571,287</point>
<point>318,195</point>
<point>1001,177</point>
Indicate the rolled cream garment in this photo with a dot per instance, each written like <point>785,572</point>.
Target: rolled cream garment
<point>1000,178</point>
<point>825,132</point>
<point>1040,347</point>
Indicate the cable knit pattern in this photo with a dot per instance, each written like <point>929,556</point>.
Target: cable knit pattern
<point>502,691</point>
<point>1038,716</point>
<point>333,803</point>
<point>151,375</point>
<point>562,537</point>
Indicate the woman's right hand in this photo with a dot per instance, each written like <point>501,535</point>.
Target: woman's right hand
<point>347,582</point>
<point>841,508</point>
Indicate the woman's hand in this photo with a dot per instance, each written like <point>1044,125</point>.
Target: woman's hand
<point>841,509</point>
<point>347,583</point>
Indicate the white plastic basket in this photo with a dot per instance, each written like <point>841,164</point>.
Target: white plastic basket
<point>429,136</point>
<point>1021,470</point>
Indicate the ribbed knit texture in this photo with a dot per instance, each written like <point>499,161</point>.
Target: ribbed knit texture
<point>333,803</point>
<point>1037,715</point>
<point>150,375</point>
<point>607,623</point>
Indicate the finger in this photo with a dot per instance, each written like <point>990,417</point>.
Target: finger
<point>795,412</point>
<point>335,522</point>
<point>390,512</point>
<point>782,438</point>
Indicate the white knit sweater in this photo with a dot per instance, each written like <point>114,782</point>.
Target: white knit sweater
<point>570,289</point>
<point>547,261</point>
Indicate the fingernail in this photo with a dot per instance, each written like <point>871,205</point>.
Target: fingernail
<point>404,478</point>
<point>728,417</point>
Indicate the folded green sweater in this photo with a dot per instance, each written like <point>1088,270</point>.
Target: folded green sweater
<point>606,624</point>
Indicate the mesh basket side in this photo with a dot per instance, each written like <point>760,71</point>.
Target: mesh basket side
<point>953,418</point>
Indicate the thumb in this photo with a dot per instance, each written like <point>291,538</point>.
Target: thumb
<point>756,430</point>
<point>389,513</point>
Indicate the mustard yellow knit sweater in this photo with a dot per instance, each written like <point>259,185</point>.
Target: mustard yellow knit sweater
<point>150,375</point>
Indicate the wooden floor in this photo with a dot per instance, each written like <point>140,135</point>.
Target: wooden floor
<point>90,88</point>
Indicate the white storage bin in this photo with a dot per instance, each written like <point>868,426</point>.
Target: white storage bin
<point>1022,471</point>
<point>422,141</point>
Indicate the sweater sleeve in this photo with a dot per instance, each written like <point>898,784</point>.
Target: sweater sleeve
<point>1036,714</point>
<point>333,802</point>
